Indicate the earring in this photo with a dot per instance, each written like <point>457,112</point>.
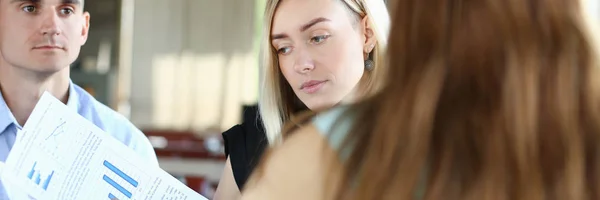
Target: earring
<point>369,65</point>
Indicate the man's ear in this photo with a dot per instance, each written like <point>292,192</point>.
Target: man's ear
<point>85,29</point>
<point>369,35</point>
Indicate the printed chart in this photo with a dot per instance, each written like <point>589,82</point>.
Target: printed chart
<point>36,176</point>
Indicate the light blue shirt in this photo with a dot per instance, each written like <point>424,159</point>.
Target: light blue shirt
<point>87,106</point>
<point>335,125</point>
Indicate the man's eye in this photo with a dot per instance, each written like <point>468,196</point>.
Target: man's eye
<point>66,11</point>
<point>29,9</point>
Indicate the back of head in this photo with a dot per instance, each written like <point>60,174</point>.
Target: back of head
<point>488,99</point>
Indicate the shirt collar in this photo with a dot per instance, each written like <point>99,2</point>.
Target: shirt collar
<point>7,118</point>
<point>73,100</point>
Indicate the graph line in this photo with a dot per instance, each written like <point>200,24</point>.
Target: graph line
<point>55,129</point>
<point>117,186</point>
<point>120,173</point>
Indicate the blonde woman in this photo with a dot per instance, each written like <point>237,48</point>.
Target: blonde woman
<point>491,100</point>
<point>318,53</point>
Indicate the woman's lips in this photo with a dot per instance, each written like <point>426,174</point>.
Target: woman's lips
<point>311,87</point>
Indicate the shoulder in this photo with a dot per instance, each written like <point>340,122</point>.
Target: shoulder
<point>232,138</point>
<point>244,145</point>
<point>249,133</point>
<point>114,124</point>
<point>305,157</point>
<point>310,156</point>
<point>246,135</point>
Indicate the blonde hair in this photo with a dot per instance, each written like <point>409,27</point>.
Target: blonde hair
<point>278,102</point>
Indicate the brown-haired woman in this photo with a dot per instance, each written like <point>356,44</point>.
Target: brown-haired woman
<point>485,99</point>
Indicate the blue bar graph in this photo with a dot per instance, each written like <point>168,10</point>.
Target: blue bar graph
<point>37,179</point>
<point>120,173</point>
<point>45,186</point>
<point>111,196</point>
<point>35,176</point>
<point>117,186</point>
<point>30,175</point>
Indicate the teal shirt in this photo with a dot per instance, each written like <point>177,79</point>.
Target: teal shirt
<point>335,125</point>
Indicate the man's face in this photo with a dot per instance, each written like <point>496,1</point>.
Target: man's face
<point>44,36</point>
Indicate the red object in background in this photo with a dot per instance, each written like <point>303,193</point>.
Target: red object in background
<point>195,183</point>
<point>185,145</point>
<point>200,185</point>
<point>182,144</point>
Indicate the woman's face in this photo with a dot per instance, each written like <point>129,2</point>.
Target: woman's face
<point>321,46</point>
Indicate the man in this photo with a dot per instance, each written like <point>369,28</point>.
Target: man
<point>39,39</point>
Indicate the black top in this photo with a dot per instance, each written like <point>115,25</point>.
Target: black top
<point>245,144</point>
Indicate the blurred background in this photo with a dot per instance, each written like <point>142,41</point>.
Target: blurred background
<point>183,71</point>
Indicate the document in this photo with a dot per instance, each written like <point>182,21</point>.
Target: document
<point>60,155</point>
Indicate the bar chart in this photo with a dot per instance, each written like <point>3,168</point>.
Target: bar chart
<point>131,182</point>
<point>36,176</point>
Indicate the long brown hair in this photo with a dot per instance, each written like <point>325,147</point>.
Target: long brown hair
<point>485,99</point>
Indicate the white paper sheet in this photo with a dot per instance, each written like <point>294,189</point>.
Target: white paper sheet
<point>61,155</point>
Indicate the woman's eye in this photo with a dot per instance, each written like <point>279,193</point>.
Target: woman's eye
<point>319,39</point>
<point>283,50</point>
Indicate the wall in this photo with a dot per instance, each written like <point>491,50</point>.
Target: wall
<point>194,63</point>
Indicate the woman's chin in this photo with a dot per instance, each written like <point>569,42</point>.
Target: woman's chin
<point>321,105</point>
